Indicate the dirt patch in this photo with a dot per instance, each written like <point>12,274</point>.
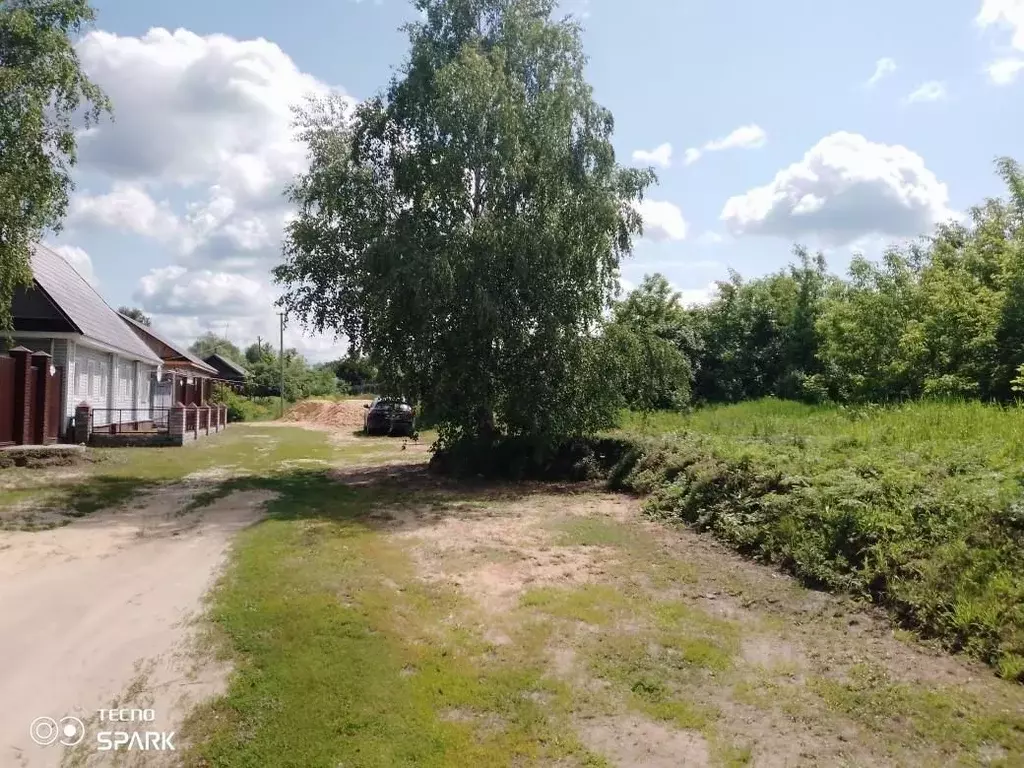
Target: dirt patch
<point>328,413</point>
<point>495,554</point>
<point>634,741</point>
<point>110,600</point>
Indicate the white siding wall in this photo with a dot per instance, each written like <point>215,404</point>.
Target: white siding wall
<point>122,395</point>
<point>92,381</point>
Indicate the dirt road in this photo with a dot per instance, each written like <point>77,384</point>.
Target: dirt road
<point>97,613</point>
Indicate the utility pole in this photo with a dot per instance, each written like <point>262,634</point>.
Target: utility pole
<point>281,316</point>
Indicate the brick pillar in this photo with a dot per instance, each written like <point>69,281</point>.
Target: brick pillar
<point>41,362</point>
<point>22,394</point>
<point>83,423</point>
<point>176,421</point>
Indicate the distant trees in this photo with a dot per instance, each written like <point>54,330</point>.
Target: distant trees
<point>210,343</point>
<point>940,317</point>
<point>136,314</point>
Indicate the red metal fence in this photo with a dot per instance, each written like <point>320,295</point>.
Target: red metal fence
<point>30,399</point>
<point>6,400</point>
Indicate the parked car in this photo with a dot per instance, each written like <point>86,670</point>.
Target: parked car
<point>389,416</point>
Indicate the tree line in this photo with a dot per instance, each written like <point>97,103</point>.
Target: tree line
<point>939,317</point>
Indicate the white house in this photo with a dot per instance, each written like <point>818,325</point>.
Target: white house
<point>103,362</point>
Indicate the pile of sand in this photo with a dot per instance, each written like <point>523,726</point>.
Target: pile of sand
<point>327,413</point>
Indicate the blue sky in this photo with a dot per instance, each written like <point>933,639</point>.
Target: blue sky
<point>179,208</point>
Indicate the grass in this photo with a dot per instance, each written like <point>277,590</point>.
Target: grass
<point>115,476</point>
<point>919,507</point>
<point>343,657</point>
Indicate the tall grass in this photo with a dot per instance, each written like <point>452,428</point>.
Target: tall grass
<point>920,506</point>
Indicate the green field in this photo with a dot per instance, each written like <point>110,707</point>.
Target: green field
<point>919,507</point>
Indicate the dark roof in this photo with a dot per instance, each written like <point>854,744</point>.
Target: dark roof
<point>182,352</point>
<point>220,362</point>
<point>83,306</point>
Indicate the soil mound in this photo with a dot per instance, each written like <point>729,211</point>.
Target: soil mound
<point>328,413</point>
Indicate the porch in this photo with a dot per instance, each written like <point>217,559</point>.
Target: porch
<point>151,426</point>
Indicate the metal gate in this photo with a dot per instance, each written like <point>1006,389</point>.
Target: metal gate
<point>6,400</point>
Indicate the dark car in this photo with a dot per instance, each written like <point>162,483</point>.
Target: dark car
<point>389,416</point>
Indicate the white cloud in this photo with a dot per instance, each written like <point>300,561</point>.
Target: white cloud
<point>692,297</point>
<point>78,259</point>
<point>186,303</point>
<point>1005,71</point>
<point>711,238</point>
<point>205,121</point>
<point>1005,14</point>
<point>933,90</point>
<point>691,156</point>
<point>1008,15</point>
<point>662,220</point>
<point>745,137</point>
<point>176,290</point>
<point>883,68</point>
<point>660,155</point>
<point>127,207</point>
<point>845,187</point>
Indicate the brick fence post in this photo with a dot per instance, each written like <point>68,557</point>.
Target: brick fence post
<point>176,422</point>
<point>22,394</point>
<point>83,423</point>
<point>41,362</point>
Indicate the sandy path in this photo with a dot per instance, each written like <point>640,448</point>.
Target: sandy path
<point>99,611</point>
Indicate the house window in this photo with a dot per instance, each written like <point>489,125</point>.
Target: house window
<point>104,378</point>
<point>93,384</point>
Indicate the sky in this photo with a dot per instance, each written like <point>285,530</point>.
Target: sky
<point>845,127</point>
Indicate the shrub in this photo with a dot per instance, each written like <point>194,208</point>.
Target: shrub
<point>918,508</point>
<point>242,408</point>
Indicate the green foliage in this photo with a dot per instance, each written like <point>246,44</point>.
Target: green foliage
<point>1018,383</point>
<point>465,228</point>
<point>241,408</point>
<point>942,317</point>
<point>759,337</point>
<point>136,314</point>
<point>355,370</point>
<point>210,343</point>
<point>920,507</point>
<point>648,344</point>
<point>300,379</point>
<point>42,90</point>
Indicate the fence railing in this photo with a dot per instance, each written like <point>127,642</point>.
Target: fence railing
<point>114,421</point>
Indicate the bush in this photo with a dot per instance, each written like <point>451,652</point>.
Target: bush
<point>918,508</point>
<point>245,408</point>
